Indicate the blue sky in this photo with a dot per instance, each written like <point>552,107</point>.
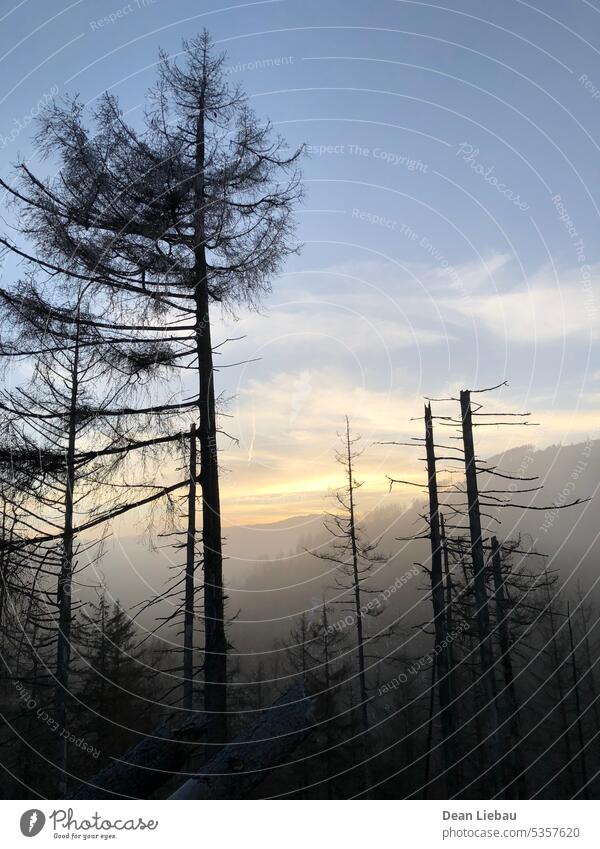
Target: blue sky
<point>450,225</point>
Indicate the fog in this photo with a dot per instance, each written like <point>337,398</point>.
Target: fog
<point>272,577</point>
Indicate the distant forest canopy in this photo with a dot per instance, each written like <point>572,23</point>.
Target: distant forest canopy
<point>449,650</point>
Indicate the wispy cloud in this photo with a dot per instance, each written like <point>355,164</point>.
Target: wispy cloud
<point>546,308</point>
<point>370,340</point>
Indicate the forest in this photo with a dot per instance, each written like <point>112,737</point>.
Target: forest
<point>441,651</point>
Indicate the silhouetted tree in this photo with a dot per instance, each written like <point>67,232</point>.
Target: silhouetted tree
<point>355,558</point>
<point>196,208</point>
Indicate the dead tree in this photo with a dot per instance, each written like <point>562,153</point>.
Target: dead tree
<point>80,372</point>
<point>478,500</point>
<point>580,735</point>
<point>448,609</point>
<point>316,651</point>
<point>190,569</point>
<point>481,501</point>
<point>248,759</point>
<point>431,715</point>
<point>557,676</point>
<point>490,712</point>
<point>441,600</point>
<point>584,611</point>
<point>440,612</point>
<point>54,397</point>
<point>144,768</point>
<point>511,700</point>
<point>352,536</point>
<point>195,209</point>
<point>330,679</point>
<point>355,558</point>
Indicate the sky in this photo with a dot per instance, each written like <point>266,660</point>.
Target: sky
<point>449,229</point>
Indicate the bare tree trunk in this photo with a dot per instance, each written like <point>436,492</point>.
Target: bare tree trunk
<point>328,703</point>
<point>490,713</point>
<point>582,758</point>
<point>65,583</point>
<point>449,616</point>
<point>215,643</point>
<point>27,743</point>
<point>358,612</point>
<point>447,714</point>
<point>4,561</point>
<point>564,721</point>
<point>356,581</point>
<point>476,687</point>
<point>238,768</point>
<point>190,568</point>
<point>588,657</point>
<point>512,702</point>
<point>303,639</point>
<point>303,666</point>
<point>430,730</point>
<point>149,763</point>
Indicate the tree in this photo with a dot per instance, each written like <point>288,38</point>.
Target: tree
<point>442,674</point>
<point>576,684</point>
<point>490,711</point>
<point>490,585</point>
<point>79,374</point>
<point>112,686</point>
<point>441,613</point>
<point>193,210</point>
<point>316,652</point>
<point>355,559</point>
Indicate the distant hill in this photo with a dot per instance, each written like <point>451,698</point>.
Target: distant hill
<point>271,577</point>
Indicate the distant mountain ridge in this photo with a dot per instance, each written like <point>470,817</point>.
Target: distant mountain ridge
<point>271,577</point>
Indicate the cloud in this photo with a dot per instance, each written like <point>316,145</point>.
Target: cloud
<point>332,313</point>
<point>288,425</point>
<point>366,339</point>
<point>543,310</point>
